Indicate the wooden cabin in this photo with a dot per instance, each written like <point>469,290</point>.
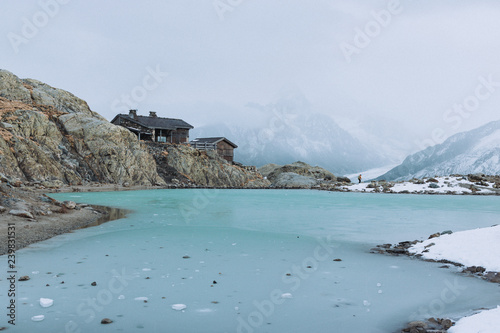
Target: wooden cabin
<point>224,147</point>
<point>154,128</point>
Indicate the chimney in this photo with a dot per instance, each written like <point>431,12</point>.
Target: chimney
<point>152,114</point>
<point>133,114</point>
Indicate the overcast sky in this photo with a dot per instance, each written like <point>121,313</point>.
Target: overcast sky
<point>203,60</point>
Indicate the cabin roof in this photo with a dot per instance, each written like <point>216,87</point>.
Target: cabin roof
<point>157,122</point>
<point>214,140</point>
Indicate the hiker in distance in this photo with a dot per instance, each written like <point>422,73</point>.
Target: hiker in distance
<point>359,178</point>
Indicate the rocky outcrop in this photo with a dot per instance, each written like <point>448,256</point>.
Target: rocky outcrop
<point>296,175</point>
<point>293,180</point>
<point>302,169</point>
<point>48,135</point>
<point>185,164</point>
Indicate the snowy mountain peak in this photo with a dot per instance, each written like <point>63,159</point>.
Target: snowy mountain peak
<point>475,151</point>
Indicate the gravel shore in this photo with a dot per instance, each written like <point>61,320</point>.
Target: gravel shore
<point>46,217</point>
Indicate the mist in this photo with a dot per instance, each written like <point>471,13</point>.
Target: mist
<point>397,76</point>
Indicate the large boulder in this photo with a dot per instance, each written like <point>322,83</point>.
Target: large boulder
<point>302,169</point>
<point>293,180</point>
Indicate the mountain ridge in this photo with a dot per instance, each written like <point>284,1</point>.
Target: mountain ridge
<point>474,151</point>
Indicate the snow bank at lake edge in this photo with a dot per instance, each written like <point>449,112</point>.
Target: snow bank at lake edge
<point>478,247</point>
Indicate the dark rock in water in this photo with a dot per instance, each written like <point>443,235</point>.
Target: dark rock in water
<point>474,269</point>
<point>446,323</point>
<point>416,327</point>
<point>337,259</point>
<point>24,278</point>
<point>214,282</point>
<point>396,250</point>
<point>492,277</point>
<point>447,232</point>
<point>106,321</point>
<point>186,257</point>
<point>93,284</point>
<point>377,250</point>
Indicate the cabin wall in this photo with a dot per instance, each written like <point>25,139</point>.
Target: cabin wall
<point>180,136</point>
<point>226,151</point>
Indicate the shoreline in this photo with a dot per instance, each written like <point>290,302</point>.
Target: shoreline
<point>466,264</point>
<point>33,216</point>
<point>66,220</point>
<point>45,226</point>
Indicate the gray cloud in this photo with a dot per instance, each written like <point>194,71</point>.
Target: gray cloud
<point>428,57</point>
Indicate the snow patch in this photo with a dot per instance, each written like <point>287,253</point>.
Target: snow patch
<point>487,321</point>
<point>478,247</point>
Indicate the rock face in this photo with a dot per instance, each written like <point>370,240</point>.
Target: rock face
<point>48,134</point>
<point>51,137</point>
<point>293,180</point>
<point>296,175</point>
<point>205,168</point>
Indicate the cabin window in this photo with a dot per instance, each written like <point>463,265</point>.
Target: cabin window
<point>162,139</point>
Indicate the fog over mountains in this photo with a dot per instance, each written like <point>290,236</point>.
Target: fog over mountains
<point>293,130</point>
<point>475,151</point>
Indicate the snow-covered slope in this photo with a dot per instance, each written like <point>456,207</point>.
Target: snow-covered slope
<point>476,151</point>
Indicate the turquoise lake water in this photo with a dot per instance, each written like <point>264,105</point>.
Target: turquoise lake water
<point>249,261</point>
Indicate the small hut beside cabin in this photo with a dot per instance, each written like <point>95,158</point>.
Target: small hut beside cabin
<point>224,147</point>
<point>154,128</point>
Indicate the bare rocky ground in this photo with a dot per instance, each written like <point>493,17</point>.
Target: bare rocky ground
<point>37,217</point>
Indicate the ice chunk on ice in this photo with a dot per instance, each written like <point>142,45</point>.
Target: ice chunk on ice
<point>38,318</point>
<point>46,302</point>
<point>286,295</point>
<point>179,307</point>
<point>140,299</point>
<point>121,297</point>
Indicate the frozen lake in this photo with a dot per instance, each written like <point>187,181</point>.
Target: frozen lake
<point>249,261</point>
